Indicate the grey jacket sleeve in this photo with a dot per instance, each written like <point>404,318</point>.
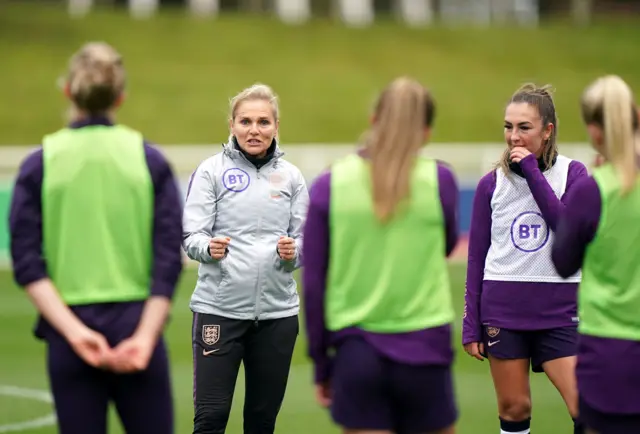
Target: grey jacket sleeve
<point>299,207</point>
<point>199,215</point>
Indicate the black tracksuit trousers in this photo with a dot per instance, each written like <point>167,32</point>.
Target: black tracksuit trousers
<point>219,345</point>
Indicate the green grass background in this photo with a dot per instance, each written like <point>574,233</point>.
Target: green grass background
<point>183,70</point>
<point>22,364</point>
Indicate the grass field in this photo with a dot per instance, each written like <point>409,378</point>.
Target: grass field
<point>22,365</point>
<point>183,71</point>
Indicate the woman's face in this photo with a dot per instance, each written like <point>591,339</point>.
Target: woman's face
<point>523,128</point>
<point>254,127</point>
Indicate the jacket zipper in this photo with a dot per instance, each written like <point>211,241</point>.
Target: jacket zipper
<point>258,282</point>
<point>256,311</point>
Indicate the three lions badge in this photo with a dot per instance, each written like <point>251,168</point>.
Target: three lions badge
<point>210,334</point>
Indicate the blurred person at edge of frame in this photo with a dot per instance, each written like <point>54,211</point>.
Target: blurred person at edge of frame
<point>599,234</point>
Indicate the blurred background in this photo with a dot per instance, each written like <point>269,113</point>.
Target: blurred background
<point>327,60</point>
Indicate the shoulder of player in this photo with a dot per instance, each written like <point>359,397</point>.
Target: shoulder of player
<point>216,164</point>
<point>445,167</point>
<point>573,164</point>
<point>488,182</point>
<point>31,167</point>
<point>289,167</point>
<point>586,185</point>
<point>577,166</point>
<point>154,155</point>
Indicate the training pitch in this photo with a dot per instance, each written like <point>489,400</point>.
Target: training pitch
<point>25,406</point>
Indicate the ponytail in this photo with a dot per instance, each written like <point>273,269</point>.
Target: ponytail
<point>618,121</point>
<point>402,113</point>
<point>608,103</point>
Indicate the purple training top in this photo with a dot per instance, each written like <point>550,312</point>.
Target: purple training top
<point>29,265</point>
<point>516,305</point>
<point>431,346</point>
<point>607,370</point>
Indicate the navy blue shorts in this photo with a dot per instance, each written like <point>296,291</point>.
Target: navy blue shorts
<point>539,346</point>
<point>372,392</point>
<point>604,423</point>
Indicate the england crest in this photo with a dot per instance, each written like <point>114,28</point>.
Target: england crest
<point>493,331</point>
<point>210,334</point>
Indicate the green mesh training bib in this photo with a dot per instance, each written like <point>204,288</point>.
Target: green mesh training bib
<point>609,294</point>
<point>391,277</point>
<point>97,210</point>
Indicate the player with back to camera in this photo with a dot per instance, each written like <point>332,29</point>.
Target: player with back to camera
<point>243,222</point>
<point>600,234</point>
<point>518,311</point>
<point>376,285</point>
<point>95,226</point>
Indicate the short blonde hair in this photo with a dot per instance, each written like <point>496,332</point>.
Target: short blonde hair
<point>608,103</point>
<point>258,91</point>
<point>96,77</point>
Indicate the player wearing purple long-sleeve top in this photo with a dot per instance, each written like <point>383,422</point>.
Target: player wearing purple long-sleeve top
<point>599,233</point>
<point>102,321</point>
<point>387,381</point>
<point>518,310</point>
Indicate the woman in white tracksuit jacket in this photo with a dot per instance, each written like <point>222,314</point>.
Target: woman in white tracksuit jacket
<point>243,221</point>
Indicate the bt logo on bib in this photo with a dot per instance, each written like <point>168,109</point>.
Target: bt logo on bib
<point>529,232</point>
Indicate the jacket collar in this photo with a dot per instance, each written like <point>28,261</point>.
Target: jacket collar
<point>232,150</point>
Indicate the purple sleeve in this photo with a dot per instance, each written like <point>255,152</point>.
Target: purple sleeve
<point>479,243</point>
<point>577,226</point>
<point>25,222</point>
<point>167,225</point>
<point>549,205</point>
<point>449,197</point>
<point>314,274</point>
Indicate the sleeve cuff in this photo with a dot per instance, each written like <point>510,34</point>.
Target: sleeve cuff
<point>468,339</point>
<point>24,278</point>
<point>322,370</point>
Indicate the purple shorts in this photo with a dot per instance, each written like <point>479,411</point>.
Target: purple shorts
<point>372,392</point>
<point>538,345</point>
<point>605,423</point>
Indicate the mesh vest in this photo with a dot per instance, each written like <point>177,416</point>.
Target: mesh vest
<point>97,212</point>
<point>521,240</point>
<point>609,295</point>
<point>386,278</point>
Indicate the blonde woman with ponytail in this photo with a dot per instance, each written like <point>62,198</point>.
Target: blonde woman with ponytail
<point>381,223</point>
<point>519,312</point>
<point>600,234</point>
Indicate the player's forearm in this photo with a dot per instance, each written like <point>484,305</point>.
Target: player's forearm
<point>47,300</point>
<point>546,199</point>
<point>154,317</point>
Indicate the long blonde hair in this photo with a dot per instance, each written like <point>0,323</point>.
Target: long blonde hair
<point>96,78</point>
<point>403,110</point>
<point>540,98</point>
<point>608,103</point>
